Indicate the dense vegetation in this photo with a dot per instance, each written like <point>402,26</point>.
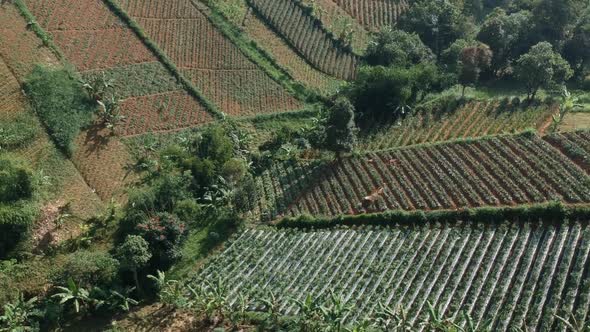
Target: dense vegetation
<point>198,179</point>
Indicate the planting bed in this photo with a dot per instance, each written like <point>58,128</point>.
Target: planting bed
<point>575,145</point>
<point>208,59</point>
<point>307,35</point>
<point>499,171</point>
<point>97,42</point>
<point>474,119</point>
<point>512,274</point>
<point>374,14</point>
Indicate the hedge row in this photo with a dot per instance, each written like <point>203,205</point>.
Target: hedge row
<point>550,212</point>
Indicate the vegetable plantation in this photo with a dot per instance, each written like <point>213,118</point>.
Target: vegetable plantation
<point>504,170</point>
<point>97,42</point>
<point>473,119</point>
<point>374,14</point>
<point>575,145</point>
<point>512,274</point>
<point>307,35</point>
<point>208,59</point>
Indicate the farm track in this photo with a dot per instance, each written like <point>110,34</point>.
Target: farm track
<point>208,59</point>
<point>307,35</point>
<point>374,14</point>
<point>499,171</point>
<point>522,272</point>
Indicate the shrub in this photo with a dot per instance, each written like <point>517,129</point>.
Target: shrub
<point>165,233</point>
<point>88,268</point>
<point>61,103</point>
<point>17,132</point>
<point>16,180</point>
<point>15,223</point>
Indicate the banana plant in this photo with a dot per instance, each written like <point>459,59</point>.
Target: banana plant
<point>334,313</point>
<point>437,321</point>
<point>390,319</point>
<point>309,313</point>
<point>568,104</point>
<point>572,324</point>
<point>78,296</point>
<point>20,315</point>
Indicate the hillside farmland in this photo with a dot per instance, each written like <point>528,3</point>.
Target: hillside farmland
<point>506,170</point>
<point>473,119</point>
<point>374,14</point>
<point>208,59</point>
<point>307,35</point>
<point>511,273</point>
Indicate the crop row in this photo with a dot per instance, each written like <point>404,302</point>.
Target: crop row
<point>499,171</point>
<point>576,145</point>
<point>308,36</point>
<point>282,184</point>
<point>374,14</point>
<point>11,99</point>
<point>512,274</point>
<point>208,59</point>
<point>98,43</point>
<point>20,48</point>
<point>474,119</point>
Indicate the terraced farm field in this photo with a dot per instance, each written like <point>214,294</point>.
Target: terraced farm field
<point>576,145</point>
<point>285,56</point>
<point>96,41</point>
<point>505,170</point>
<point>307,35</point>
<point>474,119</point>
<point>512,274</point>
<point>374,14</point>
<point>208,59</point>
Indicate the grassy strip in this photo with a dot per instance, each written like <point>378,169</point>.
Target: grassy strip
<point>553,211</point>
<point>161,55</point>
<point>256,54</point>
<point>45,38</point>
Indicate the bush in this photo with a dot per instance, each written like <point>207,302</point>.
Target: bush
<point>61,103</point>
<point>17,132</point>
<point>165,233</point>
<point>16,180</point>
<point>88,268</point>
<point>15,223</point>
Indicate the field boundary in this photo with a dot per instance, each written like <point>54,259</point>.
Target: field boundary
<point>543,211</point>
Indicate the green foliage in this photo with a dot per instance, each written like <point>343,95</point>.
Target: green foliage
<point>88,268</point>
<point>576,48</point>
<point>341,129</point>
<point>391,91</point>
<point>77,296</point>
<point>507,35</point>
<point>134,253</point>
<point>542,67</point>
<point>398,48</point>
<point>20,315</point>
<point>438,23</point>
<point>474,60</point>
<point>17,132</point>
<point>61,103</point>
<point>16,180</point>
<point>548,211</point>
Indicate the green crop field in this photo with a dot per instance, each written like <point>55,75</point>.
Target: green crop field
<point>512,274</point>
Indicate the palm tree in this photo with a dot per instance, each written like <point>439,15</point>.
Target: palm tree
<point>78,296</point>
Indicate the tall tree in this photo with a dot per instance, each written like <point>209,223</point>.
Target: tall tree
<point>541,67</point>
<point>474,60</point>
<point>397,47</point>
<point>134,254</point>
<point>438,23</point>
<point>341,128</point>
<point>577,49</point>
<point>506,35</point>
<point>554,19</point>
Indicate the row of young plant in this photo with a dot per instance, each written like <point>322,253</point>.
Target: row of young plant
<point>308,36</point>
<point>574,144</point>
<point>454,121</point>
<point>374,14</point>
<point>492,171</point>
<point>499,273</point>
